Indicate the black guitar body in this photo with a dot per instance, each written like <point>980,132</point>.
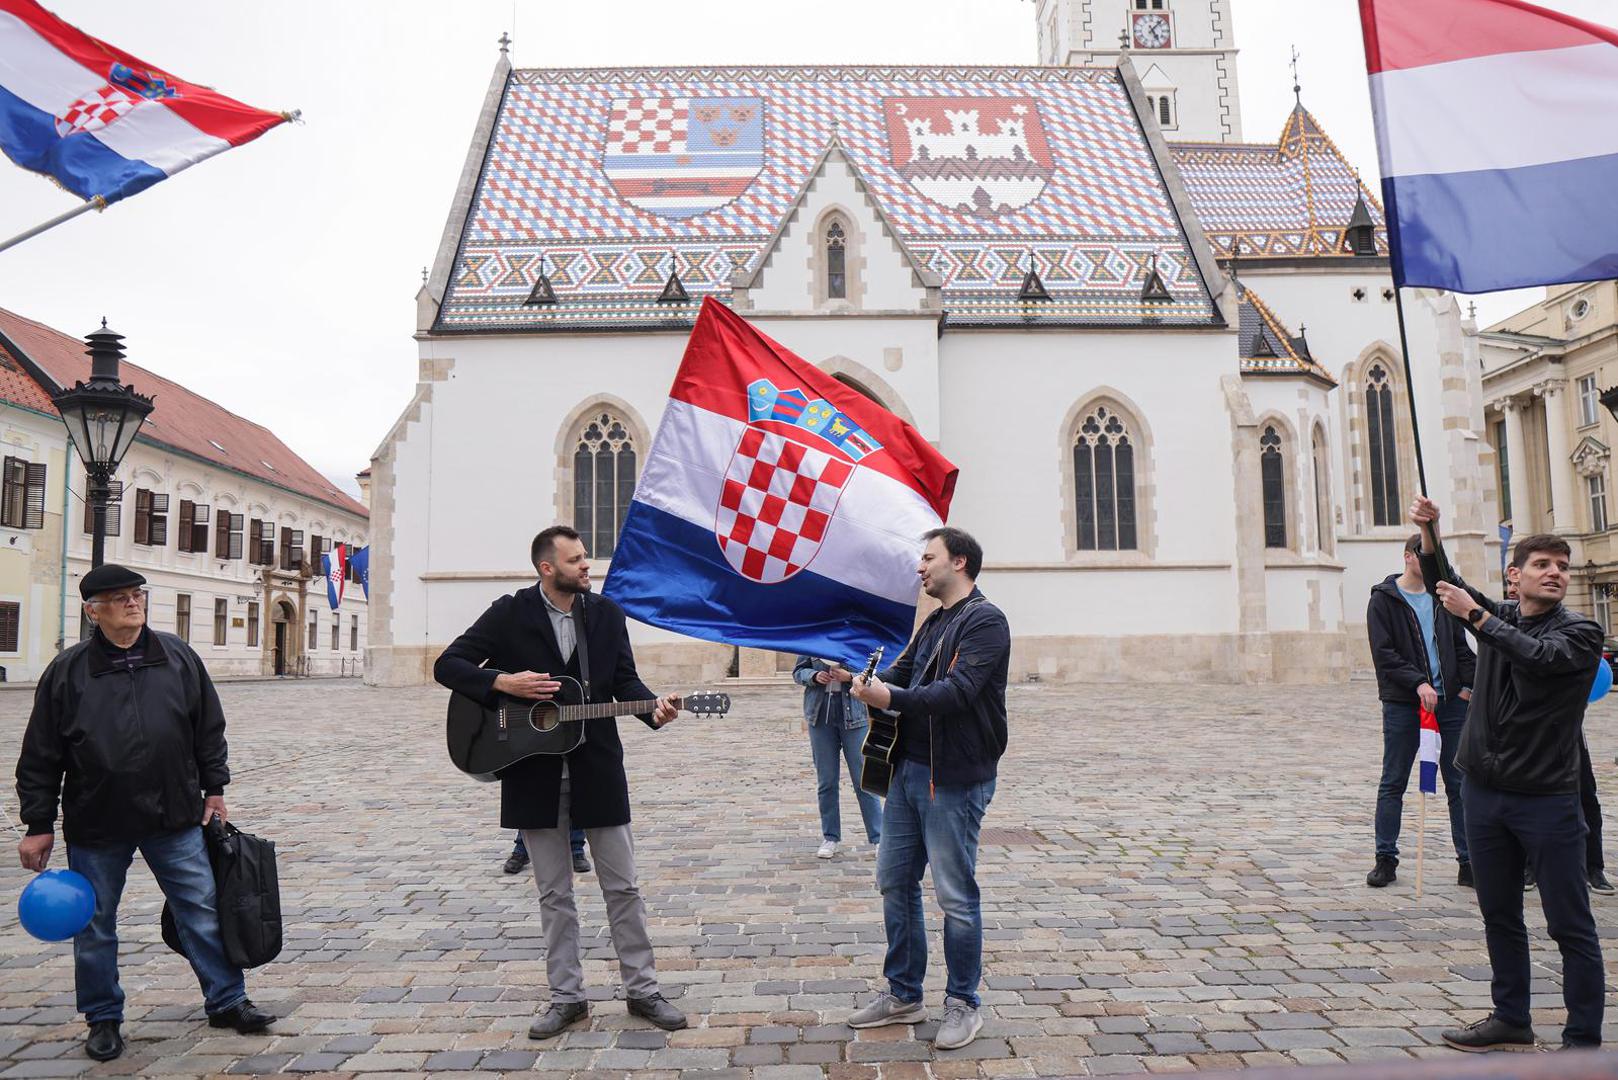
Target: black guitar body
<point>482,741</point>
<point>876,766</point>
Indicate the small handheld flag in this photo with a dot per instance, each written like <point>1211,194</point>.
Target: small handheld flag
<point>1429,752</point>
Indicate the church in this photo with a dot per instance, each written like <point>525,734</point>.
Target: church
<point>1165,360</point>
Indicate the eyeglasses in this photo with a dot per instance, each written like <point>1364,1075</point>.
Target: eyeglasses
<point>120,599</point>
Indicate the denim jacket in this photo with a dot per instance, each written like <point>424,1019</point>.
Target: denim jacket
<point>822,704</point>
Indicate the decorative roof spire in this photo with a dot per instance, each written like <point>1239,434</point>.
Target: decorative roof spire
<point>1155,288</point>
<point>505,43</point>
<point>673,289</point>
<point>1359,237</point>
<point>1297,88</point>
<point>543,292</point>
<point>1032,287</point>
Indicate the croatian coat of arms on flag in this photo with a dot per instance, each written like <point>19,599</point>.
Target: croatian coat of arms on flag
<point>125,88</point>
<point>983,156</point>
<point>780,493</point>
<point>678,157</point>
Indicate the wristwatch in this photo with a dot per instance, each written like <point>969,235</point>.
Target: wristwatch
<point>1474,615</point>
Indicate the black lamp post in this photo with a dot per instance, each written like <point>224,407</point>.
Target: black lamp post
<point>1609,398</point>
<point>103,417</point>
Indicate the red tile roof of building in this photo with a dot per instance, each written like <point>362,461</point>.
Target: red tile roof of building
<point>182,420</point>
<point>17,387</point>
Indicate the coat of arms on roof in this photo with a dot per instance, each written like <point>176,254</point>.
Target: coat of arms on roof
<point>678,157</point>
<point>983,156</point>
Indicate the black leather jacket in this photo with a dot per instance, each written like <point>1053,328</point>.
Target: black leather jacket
<point>1400,653</point>
<point>1526,720</point>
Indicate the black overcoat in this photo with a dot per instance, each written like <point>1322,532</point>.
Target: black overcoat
<point>515,635</point>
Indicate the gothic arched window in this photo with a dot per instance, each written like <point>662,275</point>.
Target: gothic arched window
<point>1382,445</point>
<point>836,261</point>
<point>603,481</point>
<point>1272,472</point>
<point>1104,482</point>
<point>1324,525</point>
<point>1163,116</point>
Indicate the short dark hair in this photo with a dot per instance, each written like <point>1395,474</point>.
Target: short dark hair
<point>1413,545</point>
<point>544,546</point>
<point>1529,545</point>
<point>960,545</point>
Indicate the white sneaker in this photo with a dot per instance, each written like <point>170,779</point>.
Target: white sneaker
<point>827,850</point>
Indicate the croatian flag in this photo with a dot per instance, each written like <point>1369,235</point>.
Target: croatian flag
<point>100,122</point>
<point>332,564</point>
<point>1429,751</point>
<point>778,508</point>
<point>1499,151</point>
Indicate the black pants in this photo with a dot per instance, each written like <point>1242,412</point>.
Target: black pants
<point>1593,858</point>
<point>1505,832</point>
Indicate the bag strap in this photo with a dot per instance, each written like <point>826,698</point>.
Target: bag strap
<point>580,647</point>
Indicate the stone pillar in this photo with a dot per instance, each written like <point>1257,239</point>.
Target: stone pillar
<point>1517,465</point>
<point>1556,437</point>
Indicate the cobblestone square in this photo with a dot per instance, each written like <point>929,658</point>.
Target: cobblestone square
<point>1173,878</point>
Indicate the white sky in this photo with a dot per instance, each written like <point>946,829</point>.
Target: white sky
<point>278,279</point>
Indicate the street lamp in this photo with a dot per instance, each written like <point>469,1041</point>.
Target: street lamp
<point>102,417</point>
<point>1609,398</point>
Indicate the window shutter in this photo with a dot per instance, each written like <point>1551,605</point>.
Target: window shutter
<point>187,512</point>
<point>159,528</point>
<point>235,536</point>
<point>143,516</point>
<point>316,551</point>
<point>115,508</point>
<point>13,489</point>
<point>258,528</point>
<point>199,529</point>
<point>297,549</point>
<point>221,533</point>
<point>34,512</point>
<point>10,623</point>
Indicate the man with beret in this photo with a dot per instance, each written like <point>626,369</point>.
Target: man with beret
<point>127,731</point>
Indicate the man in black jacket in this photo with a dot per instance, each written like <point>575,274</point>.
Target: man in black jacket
<point>519,647</point>
<point>128,732</point>
<point>1422,661</point>
<point>1520,756</point>
<point>949,689</point>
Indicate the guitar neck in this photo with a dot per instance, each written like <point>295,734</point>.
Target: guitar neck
<point>601,710</point>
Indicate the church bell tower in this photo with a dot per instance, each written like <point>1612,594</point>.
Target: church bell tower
<point>1184,51</point>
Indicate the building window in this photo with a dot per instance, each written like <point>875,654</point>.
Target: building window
<point>10,626</point>
<point>1382,437</point>
<point>1104,482</point>
<point>1589,401</point>
<point>336,631</point>
<point>115,511</point>
<point>151,518</point>
<point>1596,486</point>
<point>1602,603</point>
<point>603,482</point>
<point>221,622</point>
<point>1505,469</point>
<point>1325,527</point>
<point>291,548</point>
<point>1165,117</point>
<point>1272,471</point>
<point>261,543</point>
<point>314,631</point>
<point>182,616</point>
<point>227,540</point>
<point>836,261</point>
<point>22,505</point>
<point>353,633</point>
<point>192,528</point>
<point>252,624</point>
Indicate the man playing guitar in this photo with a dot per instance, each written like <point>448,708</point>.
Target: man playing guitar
<point>559,627</point>
<point>949,689</point>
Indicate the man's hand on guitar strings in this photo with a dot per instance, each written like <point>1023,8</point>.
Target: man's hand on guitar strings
<point>874,693</point>
<point>535,686</point>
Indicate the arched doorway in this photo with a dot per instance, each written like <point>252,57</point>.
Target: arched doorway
<point>284,617</point>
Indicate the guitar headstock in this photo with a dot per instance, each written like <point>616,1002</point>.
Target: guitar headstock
<point>705,704</point>
<point>871,665</point>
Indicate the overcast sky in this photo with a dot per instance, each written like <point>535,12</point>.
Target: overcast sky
<point>278,279</point>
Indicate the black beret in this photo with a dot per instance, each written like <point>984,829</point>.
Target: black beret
<point>106,578</point>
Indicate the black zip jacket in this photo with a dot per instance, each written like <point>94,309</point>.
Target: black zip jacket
<point>130,752</point>
<point>1526,720</point>
<point>1400,654</point>
<point>964,695</point>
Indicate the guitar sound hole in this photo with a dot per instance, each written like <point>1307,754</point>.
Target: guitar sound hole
<point>544,719</point>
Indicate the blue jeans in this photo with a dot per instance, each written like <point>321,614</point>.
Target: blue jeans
<point>828,742</point>
<point>1508,832</point>
<point>1401,740</point>
<point>921,829</point>
<point>179,862</point>
<point>575,840</point>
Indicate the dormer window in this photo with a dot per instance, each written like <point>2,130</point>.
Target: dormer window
<point>836,261</point>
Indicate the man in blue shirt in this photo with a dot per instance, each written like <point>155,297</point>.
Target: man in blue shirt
<point>1422,659</point>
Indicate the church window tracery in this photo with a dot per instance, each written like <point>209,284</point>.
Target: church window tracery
<point>1382,460</point>
<point>604,462</point>
<point>1272,472</point>
<point>1104,482</point>
<point>836,261</point>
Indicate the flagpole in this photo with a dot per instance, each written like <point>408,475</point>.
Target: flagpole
<point>97,203</point>
<point>1445,573</point>
<point>1421,842</point>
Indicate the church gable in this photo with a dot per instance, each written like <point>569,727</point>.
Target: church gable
<point>608,179</point>
<point>835,252</point>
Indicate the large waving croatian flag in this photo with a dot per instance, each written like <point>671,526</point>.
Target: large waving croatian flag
<point>1499,148</point>
<point>100,122</point>
<point>778,508</point>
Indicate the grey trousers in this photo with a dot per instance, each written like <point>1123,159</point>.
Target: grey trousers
<point>614,851</point>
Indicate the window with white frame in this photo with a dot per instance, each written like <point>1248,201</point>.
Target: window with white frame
<point>1602,603</point>
<point>1589,401</point>
<point>1596,487</point>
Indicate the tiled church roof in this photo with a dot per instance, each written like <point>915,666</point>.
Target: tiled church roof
<point>1268,348</point>
<point>181,420</point>
<point>974,168</point>
<point>1285,199</point>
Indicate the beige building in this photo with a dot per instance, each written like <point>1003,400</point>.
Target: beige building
<point>1544,371</point>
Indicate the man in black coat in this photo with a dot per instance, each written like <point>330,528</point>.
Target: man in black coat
<point>128,733</point>
<point>519,647</point>
<point>1422,661</point>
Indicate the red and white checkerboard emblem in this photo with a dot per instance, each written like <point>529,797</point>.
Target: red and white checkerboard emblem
<point>94,111</point>
<point>776,504</point>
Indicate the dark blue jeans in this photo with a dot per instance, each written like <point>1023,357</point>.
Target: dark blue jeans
<point>922,829</point>
<point>575,840</point>
<point>831,743</point>
<point>1401,741</point>
<point>179,862</point>
<point>1508,831</point>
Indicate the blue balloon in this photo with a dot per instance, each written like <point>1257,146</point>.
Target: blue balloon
<point>1603,683</point>
<point>57,904</point>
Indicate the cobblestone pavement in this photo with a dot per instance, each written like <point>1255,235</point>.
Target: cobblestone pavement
<point>1173,877</point>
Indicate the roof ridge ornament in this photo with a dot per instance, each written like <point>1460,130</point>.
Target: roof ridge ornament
<point>673,289</point>
<point>543,292</point>
<point>1032,287</point>
<point>505,43</point>
<point>1154,288</point>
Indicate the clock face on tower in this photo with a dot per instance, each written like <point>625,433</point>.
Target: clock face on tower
<point>1151,31</point>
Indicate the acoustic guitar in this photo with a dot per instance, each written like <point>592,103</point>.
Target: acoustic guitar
<point>483,740</point>
<point>876,766</point>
